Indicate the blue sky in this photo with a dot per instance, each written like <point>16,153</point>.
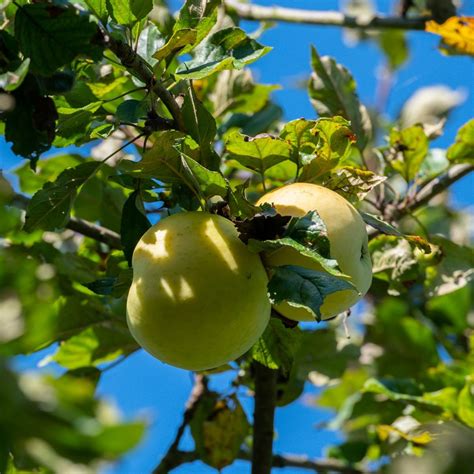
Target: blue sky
<point>143,386</point>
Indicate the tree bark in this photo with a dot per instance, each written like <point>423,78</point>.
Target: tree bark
<point>264,412</point>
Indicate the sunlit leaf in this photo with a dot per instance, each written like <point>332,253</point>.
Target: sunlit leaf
<point>457,34</point>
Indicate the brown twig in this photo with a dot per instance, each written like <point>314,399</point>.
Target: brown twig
<point>312,17</point>
<point>282,461</point>
<point>174,457</point>
<point>143,71</point>
<point>424,195</point>
<point>89,229</point>
<point>264,413</point>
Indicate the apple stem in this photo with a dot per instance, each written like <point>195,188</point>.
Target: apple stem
<point>264,413</point>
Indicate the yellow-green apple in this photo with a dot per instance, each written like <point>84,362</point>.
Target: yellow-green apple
<point>347,237</point>
<point>198,297</point>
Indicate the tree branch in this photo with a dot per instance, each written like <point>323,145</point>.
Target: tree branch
<point>279,461</point>
<point>434,187</point>
<point>312,17</point>
<point>89,229</point>
<point>264,413</point>
<point>174,457</point>
<point>143,71</point>
<point>424,195</point>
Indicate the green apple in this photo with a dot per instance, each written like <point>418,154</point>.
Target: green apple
<point>348,244</point>
<point>199,297</point>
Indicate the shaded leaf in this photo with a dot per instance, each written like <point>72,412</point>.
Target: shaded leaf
<point>11,80</point>
<point>52,36</point>
<point>301,287</point>
<point>133,225</point>
<point>277,346</point>
<point>49,208</point>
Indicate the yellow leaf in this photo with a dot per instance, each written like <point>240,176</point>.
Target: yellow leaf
<point>456,33</point>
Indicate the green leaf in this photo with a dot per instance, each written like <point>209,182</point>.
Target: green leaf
<point>333,92</point>
<point>128,12</point>
<point>52,36</point>
<point>219,427</point>
<point>328,265</point>
<point>94,346</point>
<point>319,351</point>
<point>200,124</point>
<point>49,208</point>
<point>199,16</point>
<point>46,170</point>
<point>395,47</point>
<point>149,42</point>
<point>178,41</point>
<point>411,148</point>
<point>353,183</point>
<point>462,151</point>
<point>131,110</point>
<point>229,48</point>
<point>277,346</point>
<point>310,231</point>
<point>301,287</point>
<point>171,160</point>
<point>466,404</point>
<point>11,80</point>
<point>455,270</point>
<point>133,225</point>
<point>334,145</point>
<point>300,134</point>
<point>257,153</point>
<point>377,223</point>
<point>30,126</point>
<point>98,8</point>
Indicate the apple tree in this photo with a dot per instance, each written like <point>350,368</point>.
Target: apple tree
<point>124,114</point>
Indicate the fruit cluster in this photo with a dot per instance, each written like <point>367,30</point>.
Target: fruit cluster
<point>199,296</point>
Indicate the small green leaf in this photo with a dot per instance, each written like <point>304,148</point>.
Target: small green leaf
<point>410,147</point>
<point>333,147</point>
<point>462,151</point>
<point>133,225</point>
<point>229,48</point>
<point>301,287</point>
<point>257,153</point>
<point>277,346</point>
<point>201,125</point>
<point>131,110</point>
<point>377,223</point>
<point>299,134</point>
<point>333,92</point>
<point>52,36</point>
<point>49,208</point>
<point>128,12</point>
<point>98,8</point>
